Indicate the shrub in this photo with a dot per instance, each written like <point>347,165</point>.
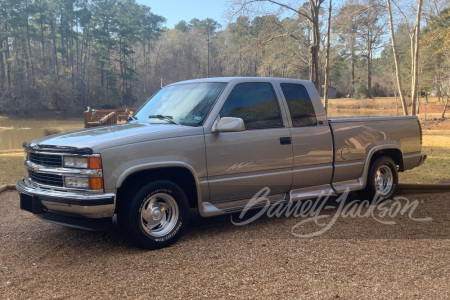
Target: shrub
<point>50,131</point>
<point>361,91</point>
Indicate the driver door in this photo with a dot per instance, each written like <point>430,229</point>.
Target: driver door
<point>241,163</point>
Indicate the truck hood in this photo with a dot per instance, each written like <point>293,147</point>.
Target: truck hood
<point>99,138</point>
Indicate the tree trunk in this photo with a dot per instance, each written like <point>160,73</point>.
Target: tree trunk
<point>415,59</point>
<point>8,63</point>
<point>240,60</point>
<point>55,53</point>
<point>207,71</point>
<point>397,68</point>
<point>353,71</point>
<point>327,61</point>
<point>2,67</point>
<point>369,72</point>
<point>42,40</point>
<point>369,64</point>
<point>445,109</point>
<point>61,33</point>
<point>315,48</point>
<point>30,58</point>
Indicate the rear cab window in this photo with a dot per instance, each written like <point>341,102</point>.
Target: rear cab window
<point>300,105</point>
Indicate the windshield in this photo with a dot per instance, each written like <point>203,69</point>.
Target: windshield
<point>186,104</point>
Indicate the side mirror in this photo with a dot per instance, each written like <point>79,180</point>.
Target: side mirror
<point>228,124</point>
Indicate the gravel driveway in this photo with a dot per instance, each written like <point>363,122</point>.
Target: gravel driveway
<point>358,257</point>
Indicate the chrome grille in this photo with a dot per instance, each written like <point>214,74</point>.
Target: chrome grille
<point>47,179</point>
<point>46,159</point>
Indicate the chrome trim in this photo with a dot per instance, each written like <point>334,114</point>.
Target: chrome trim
<point>159,214</point>
<point>63,171</point>
<point>60,188</point>
<point>384,180</point>
<point>93,212</point>
<point>61,153</point>
<point>31,189</point>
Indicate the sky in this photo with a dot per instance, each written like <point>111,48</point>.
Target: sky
<point>176,10</point>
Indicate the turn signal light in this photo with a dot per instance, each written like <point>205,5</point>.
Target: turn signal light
<point>94,163</point>
<point>95,183</point>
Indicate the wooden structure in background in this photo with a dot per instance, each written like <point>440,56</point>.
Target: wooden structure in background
<point>102,117</point>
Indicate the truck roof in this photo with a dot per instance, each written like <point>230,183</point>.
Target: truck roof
<point>228,79</point>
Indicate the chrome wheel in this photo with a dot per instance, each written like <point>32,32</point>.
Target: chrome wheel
<point>384,180</point>
<point>159,214</point>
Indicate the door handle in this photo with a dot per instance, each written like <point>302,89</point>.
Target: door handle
<point>285,140</point>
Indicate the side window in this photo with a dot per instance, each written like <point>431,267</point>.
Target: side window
<point>255,103</point>
<point>300,105</point>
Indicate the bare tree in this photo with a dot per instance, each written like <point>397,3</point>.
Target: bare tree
<point>414,34</point>
<point>397,67</point>
<point>415,59</point>
<point>311,13</point>
<point>327,60</point>
<point>445,108</point>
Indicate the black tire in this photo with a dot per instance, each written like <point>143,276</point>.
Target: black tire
<point>156,217</point>
<point>382,179</point>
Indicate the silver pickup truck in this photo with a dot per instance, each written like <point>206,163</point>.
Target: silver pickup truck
<point>212,144</point>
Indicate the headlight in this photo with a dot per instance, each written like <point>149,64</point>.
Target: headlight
<point>82,162</point>
<point>77,182</point>
<point>76,162</point>
<point>92,183</point>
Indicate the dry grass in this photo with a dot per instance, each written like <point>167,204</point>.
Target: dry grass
<point>436,144</point>
<point>350,103</point>
<point>12,168</point>
<point>383,106</point>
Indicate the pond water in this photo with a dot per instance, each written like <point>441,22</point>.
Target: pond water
<point>13,132</point>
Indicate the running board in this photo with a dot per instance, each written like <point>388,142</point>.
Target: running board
<point>209,209</point>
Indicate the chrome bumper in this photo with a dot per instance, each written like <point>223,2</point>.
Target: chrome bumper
<point>87,211</point>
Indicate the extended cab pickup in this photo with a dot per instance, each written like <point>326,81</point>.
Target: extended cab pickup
<point>212,144</point>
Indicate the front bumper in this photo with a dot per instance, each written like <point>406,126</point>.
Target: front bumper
<point>85,211</point>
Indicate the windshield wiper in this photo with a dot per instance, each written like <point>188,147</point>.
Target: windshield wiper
<point>167,118</point>
<point>132,118</point>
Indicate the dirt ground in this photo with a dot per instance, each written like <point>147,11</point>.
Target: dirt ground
<point>356,258</point>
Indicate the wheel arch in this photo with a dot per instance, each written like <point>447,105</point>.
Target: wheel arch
<point>392,151</point>
<point>180,173</point>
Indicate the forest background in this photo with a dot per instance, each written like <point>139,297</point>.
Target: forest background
<point>60,56</point>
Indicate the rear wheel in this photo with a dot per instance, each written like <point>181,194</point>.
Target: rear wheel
<point>382,179</point>
<point>157,215</point>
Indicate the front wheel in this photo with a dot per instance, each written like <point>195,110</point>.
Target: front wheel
<point>156,217</point>
<point>382,179</point>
